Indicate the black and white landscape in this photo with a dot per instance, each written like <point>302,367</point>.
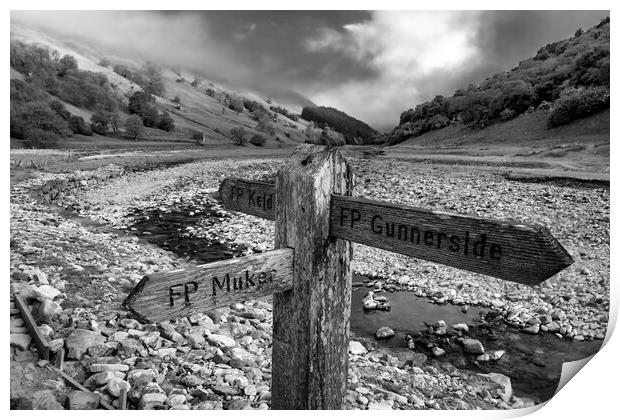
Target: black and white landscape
<point>121,139</point>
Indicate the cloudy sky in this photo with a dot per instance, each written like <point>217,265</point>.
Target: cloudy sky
<point>372,65</point>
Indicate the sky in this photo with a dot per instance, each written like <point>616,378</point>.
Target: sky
<point>370,64</point>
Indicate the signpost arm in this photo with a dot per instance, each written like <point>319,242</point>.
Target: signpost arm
<point>311,322</point>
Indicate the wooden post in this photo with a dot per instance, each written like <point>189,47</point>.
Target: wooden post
<point>311,322</point>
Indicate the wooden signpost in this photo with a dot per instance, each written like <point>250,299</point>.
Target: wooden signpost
<point>309,274</point>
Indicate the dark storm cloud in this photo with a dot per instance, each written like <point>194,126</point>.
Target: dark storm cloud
<point>271,43</point>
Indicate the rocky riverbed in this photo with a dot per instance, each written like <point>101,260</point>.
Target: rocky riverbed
<point>76,274</point>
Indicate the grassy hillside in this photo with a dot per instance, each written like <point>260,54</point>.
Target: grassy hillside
<point>568,79</point>
<point>196,105</point>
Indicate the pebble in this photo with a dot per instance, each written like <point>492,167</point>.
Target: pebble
<point>357,348</point>
<point>384,333</point>
<point>115,385</point>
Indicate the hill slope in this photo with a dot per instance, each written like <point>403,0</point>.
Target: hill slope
<point>203,105</point>
<point>568,79</point>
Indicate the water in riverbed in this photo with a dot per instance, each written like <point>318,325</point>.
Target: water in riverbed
<point>532,362</point>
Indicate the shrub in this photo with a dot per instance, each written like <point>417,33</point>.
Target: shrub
<point>266,126</point>
<point>100,122</point>
<point>37,138</point>
<point>236,104</point>
<point>78,126</point>
<point>198,136</point>
<point>176,99</point>
<point>258,140</point>
<point>150,116</point>
<point>36,115</point>
<point>60,109</point>
<point>133,127</point>
<point>166,122</point>
<point>237,135</point>
<point>507,114</point>
<point>578,103</point>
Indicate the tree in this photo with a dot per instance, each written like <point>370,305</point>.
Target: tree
<point>138,102</point>
<point>266,126</point>
<point>66,64</point>
<point>176,99</point>
<point>155,81</point>
<point>237,135</point>
<point>258,140</point>
<point>196,82</point>
<point>166,122</point>
<point>133,127</point>
<point>100,122</point>
<point>150,116</point>
<point>115,122</point>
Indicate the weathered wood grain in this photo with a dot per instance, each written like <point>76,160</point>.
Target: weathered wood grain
<point>175,294</point>
<point>517,252</point>
<point>529,253</point>
<point>39,340</point>
<point>252,197</point>
<point>311,322</point>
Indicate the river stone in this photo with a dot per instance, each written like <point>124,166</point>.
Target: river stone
<point>45,400</point>
<point>496,354</point>
<point>80,340</point>
<point>384,332</point>
<point>115,385</point>
<point>196,340</point>
<point>21,341</point>
<point>100,379</point>
<point>472,346</point>
<point>103,367</point>
<point>141,376</point>
<point>131,346</point>
<point>151,400</point>
<point>531,329</point>
<point>45,330</point>
<point>382,405</point>
<point>222,341</point>
<point>505,386</point>
<point>241,356</point>
<point>45,311</point>
<point>176,399</point>
<point>80,400</point>
<point>46,291</point>
<point>461,327</point>
<point>438,351</point>
<point>239,405</point>
<point>224,390</point>
<point>192,381</point>
<point>56,344</point>
<point>355,347</point>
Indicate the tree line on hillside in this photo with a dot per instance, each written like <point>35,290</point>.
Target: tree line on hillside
<point>569,79</point>
<point>353,130</point>
<point>38,115</point>
<point>148,77</point>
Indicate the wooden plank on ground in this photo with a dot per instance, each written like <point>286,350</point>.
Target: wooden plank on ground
<point>175,294</point>
<point>39,340</point>
<point>76,385</point>
<point>517,252</point>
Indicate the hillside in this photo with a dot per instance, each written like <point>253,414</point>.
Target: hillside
<point>353,130</point>
<point>565,81</point>
<point>197,106</point>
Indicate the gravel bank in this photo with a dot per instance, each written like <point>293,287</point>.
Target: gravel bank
<point>94,269</point>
